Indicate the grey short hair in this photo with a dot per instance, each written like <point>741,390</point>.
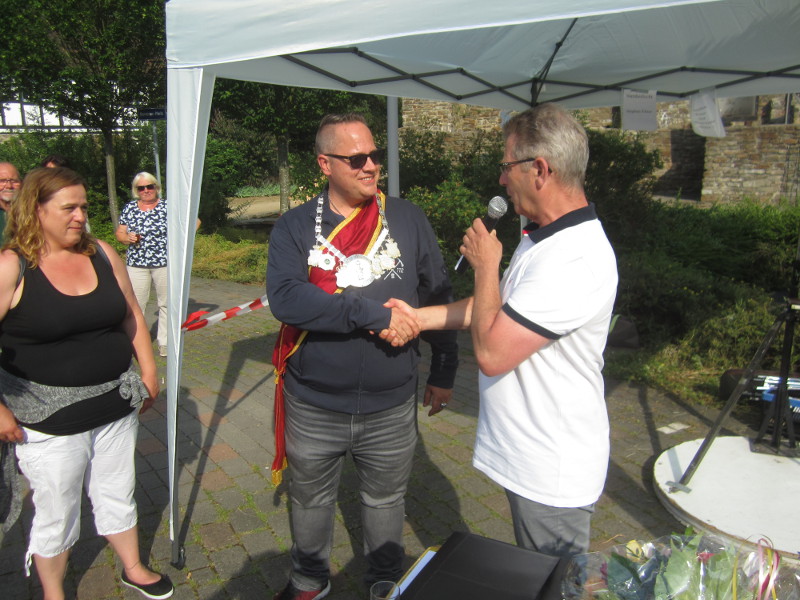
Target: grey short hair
<point>550,132</point>
<point>324,139</point>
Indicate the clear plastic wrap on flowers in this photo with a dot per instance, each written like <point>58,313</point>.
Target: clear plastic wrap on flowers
<point>687,567</point>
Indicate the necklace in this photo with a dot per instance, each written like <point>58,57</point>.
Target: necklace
<point>335,209</point>
<point>357,270</point>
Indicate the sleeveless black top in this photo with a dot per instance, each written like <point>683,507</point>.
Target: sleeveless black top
<point>56,339</point>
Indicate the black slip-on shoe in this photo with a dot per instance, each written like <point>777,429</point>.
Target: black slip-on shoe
<point>162,588</point>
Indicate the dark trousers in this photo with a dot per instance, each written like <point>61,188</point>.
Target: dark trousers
<point>382,446</point>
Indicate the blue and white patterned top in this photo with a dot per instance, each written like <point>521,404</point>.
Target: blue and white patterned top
<point>151,225</point>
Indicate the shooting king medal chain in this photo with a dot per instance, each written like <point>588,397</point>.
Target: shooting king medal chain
<point>357,270</point>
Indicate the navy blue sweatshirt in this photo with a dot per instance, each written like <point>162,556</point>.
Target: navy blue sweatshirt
<point>341,366</point>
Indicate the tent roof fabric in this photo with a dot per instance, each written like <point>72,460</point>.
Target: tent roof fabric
<point>502,54</point>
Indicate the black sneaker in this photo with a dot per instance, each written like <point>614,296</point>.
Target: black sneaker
<point>292,593</point>
<point>162,588</point>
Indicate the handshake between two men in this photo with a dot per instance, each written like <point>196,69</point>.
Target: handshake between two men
<point>483,251</point>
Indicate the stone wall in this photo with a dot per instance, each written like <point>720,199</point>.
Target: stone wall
<point>760,163</point>
<point>448,117</point>
<point>757,158</point>
<point>458,122</point>
<point>682,154</point>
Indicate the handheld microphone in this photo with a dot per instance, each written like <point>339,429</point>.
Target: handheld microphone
<point>497,208</point>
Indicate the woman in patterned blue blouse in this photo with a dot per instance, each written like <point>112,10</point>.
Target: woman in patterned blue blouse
<point>143,228</point>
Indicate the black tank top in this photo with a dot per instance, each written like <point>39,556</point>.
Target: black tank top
<point>56,339</point>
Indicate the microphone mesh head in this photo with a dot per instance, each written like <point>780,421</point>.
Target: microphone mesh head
<point>497,207</point>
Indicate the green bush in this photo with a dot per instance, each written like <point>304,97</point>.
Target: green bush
<point>307,179</point>
<point>26,150</point>
<point>690,261</point>
<point>477,164</point>
<point>746,241</point>
<point>424,160</point>
<point>225,170</point>
<point>728,336</point>
<point>451,208</point>
<point>244,261</point>
<point>699,290</point>
<point>619,179</point>
<point>690,366</point>
<point>266,189</point>
<point>84,151</point>
<point>667,298</point>
<point>235,157</point>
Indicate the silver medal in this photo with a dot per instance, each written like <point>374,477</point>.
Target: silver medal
<point>355,270</point>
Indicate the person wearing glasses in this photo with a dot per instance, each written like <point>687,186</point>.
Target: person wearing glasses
<point>71,395</point>
<point>143,228</point>
<point>539,336</point>
<point>333,262</point>
<point>9,184</point>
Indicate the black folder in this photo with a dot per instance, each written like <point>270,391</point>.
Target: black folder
<point>471,567</point>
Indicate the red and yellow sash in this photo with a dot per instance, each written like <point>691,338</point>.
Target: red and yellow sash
<point>355,235</point>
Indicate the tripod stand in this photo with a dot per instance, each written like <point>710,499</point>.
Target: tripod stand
<point>778,413</point>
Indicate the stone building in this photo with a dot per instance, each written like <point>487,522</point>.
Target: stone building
<point>759,158</point>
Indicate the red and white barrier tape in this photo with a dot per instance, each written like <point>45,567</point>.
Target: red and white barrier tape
<point>197,320</point>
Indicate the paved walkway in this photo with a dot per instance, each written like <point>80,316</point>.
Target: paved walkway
<point>234,523</point>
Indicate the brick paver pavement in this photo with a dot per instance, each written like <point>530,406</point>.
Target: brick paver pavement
<point>234,524</point>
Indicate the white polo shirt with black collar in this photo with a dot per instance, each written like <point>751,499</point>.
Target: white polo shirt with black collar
<point>543,428</point>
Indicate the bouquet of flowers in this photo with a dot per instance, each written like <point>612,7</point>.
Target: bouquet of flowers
<point>687,567</point>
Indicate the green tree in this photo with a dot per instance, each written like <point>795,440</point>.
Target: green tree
<point>290,116</point>
<point>88,60</point>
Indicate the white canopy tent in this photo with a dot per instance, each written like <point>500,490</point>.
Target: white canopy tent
<point>507,54</point>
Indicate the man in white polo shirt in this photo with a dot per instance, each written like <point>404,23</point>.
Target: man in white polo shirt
<point>539,336</point>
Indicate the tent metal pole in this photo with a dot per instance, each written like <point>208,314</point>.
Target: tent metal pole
<point>155,152</point>
<point>538,82</point>
<point>393,143</point>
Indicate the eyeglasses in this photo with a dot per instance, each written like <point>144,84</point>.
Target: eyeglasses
<point>505,167</point>
<point>357,161</point>
<point>9,182</point>
<point>149,186</point>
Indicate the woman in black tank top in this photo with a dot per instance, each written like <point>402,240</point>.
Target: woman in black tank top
<point>69,328</point>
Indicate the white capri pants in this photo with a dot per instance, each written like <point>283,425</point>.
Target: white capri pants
<point>58,466</point>
<point>140,281</point>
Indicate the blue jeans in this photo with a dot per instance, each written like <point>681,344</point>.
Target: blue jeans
<point>382,446</point>
<point>550,529</point>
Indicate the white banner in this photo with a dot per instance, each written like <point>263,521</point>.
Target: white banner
<point>639,110</point>
<point>706,120</point>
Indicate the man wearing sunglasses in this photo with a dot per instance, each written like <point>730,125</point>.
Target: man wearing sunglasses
<point>333,263</point>
<point>539,336</point>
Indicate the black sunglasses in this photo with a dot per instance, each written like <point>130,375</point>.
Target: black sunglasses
<point>357,161</point>
<point>149,186</point>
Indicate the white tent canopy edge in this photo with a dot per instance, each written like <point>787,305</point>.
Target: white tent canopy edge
<point>213,32</point>
<point>454,50</point>
<point>740,47</point>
